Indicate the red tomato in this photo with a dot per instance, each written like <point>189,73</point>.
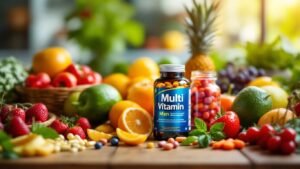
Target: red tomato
<point>90,78</point>
<point>41,80</point>
<point>65,79</point>
<point>74,69</point>
<point>97,77</point>
<point>85,69</point>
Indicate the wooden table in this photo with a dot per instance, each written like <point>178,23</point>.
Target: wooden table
<point>141,158</point>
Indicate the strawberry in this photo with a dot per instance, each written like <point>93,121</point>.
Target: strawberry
<point>17,127</point>
<point>83,123</point>
<point>77,130</point>
<point>4,112</point>
<point>231,124</point>
<point>59,126</point>
<point>38,111</point>
<point>18,112</point>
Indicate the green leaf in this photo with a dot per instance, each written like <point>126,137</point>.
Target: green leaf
<point>204,140</point>
<point>200,124</point>
<point>7,146</point>
<point>217,127</point>
<point>189,140</point>
<point>44,131</point>
<point>217,135</point>
<point>196,132</point>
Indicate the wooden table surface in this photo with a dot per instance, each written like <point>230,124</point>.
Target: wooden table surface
<point>139,157</point>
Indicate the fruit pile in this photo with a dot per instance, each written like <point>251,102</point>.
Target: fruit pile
<point>281,141</point>
<point>17,118</point>
<point>233,79</point>
<point>53,67</point>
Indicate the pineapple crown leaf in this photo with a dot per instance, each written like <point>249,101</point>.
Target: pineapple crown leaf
<point>200,21</point>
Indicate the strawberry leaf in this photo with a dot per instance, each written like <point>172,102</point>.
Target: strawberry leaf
<point>217,127</point>
<point>44,131</point>
<point>204,140</point>
<point>189,140</point>
<point>200,125</point>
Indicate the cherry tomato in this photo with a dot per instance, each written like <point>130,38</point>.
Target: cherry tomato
<point>65,79</point>
<point>85,69</point>
<point>273,144</point>
<point>243,136</point>
<point>287,147</point>
<point>252,134</point>
<point>266,130</point>
<point>263,141</point>
<point>97,77</point>
<point>288,134</point>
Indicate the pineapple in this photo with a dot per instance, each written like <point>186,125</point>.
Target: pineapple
<point>201,33</point>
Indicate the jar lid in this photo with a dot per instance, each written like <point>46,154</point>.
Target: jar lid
<point>203,74</point>
<point>172,68</point>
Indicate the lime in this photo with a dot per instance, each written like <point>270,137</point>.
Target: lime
<point>95,102</point>
<point>278,95</point>
<point>69,108</point>
<point>250,104</point>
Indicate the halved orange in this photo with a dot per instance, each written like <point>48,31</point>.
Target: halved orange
<point>136,120</point>
<point>131,138</point>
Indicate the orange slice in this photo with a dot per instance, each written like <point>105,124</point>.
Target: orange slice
<point>131,138</point>
<point>136,120</point>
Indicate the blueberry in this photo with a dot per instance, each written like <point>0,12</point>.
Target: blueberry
<point>114,141</point>
<point>98,145</point>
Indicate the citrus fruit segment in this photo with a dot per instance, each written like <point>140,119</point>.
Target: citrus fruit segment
<point>136,120</point>
<point>131,138</point>
<point>118,109</point>
<point>105,128</point>
<point>96,135</point>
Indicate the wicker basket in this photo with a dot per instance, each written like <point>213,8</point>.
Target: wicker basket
<point>53,98</point>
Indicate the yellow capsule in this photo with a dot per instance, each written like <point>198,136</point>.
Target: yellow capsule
<point>150,145</point>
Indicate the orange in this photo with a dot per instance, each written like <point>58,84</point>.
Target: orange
<point>97,135</point>
<point>173,40</point>
<point>136,120</point>
<point>226,102</point>
<point>142,94</point>
<point>143,66</point>
<point>139,79</point>
<point>119,81</point>
<point>51,61</point>
<point>131,138</point>
<point>117,109</point>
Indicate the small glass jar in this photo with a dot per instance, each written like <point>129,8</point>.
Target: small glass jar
<point>171,103</point>
<point>205,96</point>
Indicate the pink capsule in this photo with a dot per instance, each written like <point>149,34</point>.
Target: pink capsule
<point>161,143</point>
<point>168,146</point>
<point>176,144</point>
<point>171,140</point>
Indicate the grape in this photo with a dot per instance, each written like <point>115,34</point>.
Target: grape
<point>236,78</point>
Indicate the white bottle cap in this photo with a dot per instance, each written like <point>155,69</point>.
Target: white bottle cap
<point>172,68</point>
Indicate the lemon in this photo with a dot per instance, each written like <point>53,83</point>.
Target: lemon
<point>276,116</point>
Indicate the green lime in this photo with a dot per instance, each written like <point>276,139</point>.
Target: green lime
<point>250,104</point>
<point>95,102</point>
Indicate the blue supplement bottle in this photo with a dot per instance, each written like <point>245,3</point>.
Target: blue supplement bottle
<point>171,103</point>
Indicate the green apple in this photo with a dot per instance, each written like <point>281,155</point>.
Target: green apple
<point>69,107</point>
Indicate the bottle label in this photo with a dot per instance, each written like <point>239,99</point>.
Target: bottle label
<point>172,110</point>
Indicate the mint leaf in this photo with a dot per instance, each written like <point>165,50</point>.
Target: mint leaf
<point>217,135</point>
<point>196,132</point>
<point>216,127</point>
<point>44,131</point>
<point>204,140</point>
<point>189,140</point>
<point>200,124</point>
